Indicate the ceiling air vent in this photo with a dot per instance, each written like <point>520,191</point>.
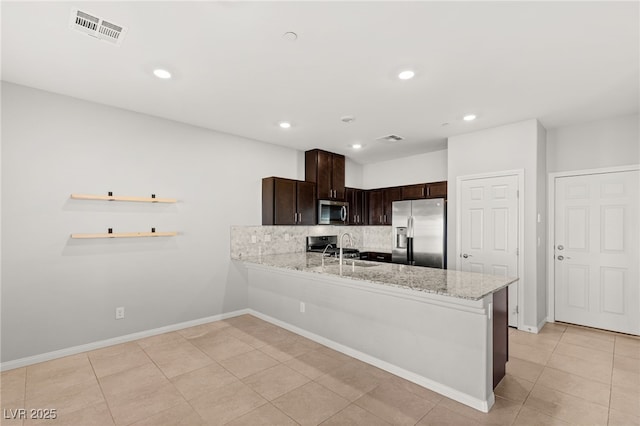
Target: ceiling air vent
<point>390,138</point>
<point>96,26</point>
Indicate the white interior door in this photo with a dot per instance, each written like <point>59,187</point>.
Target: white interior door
<point>596,253</point>
<point>489,230</point>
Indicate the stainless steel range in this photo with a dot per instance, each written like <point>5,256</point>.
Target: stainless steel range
<point>328,244</point>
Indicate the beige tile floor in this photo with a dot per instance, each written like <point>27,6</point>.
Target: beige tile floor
<point>244,371</point>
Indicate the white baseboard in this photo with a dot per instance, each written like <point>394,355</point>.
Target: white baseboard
<point>456,395</point>
<point>541,324</point>
<point>533,328</point>
<point>22,362</point>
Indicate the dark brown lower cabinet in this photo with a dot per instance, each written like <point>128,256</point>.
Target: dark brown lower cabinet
<point>500,334</point>
<point>375,256</point>
<point>288,202</point>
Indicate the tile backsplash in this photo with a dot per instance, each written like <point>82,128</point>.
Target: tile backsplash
<point>247,241</point>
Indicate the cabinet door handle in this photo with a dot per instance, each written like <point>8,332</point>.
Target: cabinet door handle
<point>380,219</point>
<point>300,217</point>
<point>428,191</point>
<point>423,191</point>
<point>295,218</point>
<point>385,218</point>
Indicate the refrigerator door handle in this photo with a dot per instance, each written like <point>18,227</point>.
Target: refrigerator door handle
<point>410,260</point>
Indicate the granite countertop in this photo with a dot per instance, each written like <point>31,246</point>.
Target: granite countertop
<point>447,282</point>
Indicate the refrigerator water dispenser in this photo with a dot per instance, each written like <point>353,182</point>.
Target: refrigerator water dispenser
<point>401,237</point>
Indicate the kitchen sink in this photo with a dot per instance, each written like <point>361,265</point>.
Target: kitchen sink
<point>333,262</point>
<point>360,263</point>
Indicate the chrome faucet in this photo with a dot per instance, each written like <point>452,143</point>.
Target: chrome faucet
<point>324,253</point>
<point>342,245</point>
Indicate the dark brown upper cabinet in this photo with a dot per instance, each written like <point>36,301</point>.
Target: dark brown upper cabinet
<point>437,189</point>
<point>326,170</point>
<point>381,204</point>
<point>425,190</point>
<point>414,192</point>
<point>355,198</point>
<point>288,202</point>
<point>390,195</point>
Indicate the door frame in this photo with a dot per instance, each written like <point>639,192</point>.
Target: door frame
<point>551,220</point>
<point>521,250</point>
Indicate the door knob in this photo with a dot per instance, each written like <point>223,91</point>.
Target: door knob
<point>560,247</point>
<point>560,257</point>
<point>465,255</point>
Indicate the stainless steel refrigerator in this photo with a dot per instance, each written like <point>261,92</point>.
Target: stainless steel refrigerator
<point>419,232</point>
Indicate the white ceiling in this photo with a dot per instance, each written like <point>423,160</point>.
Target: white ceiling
<point>560,62</point>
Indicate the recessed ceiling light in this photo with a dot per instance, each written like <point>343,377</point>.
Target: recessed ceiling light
<point>163,74</point>
<point>290,35</point>
<point>469,117</point>
<point>356,146</point>
<point>406,75</point>
<point>285,124</point>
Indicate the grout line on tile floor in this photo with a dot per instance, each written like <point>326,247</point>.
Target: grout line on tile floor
<point>427,413</point>
<point>106,402</point>
<point>292,419</point>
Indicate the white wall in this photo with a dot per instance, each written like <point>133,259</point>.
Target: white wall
<point>509,147</point>
<point>58,292</point>
<point>353,174</point>
<point>436,341</point>
<point>429,167</point>
<point>541,226</point>
<point>603,143</point>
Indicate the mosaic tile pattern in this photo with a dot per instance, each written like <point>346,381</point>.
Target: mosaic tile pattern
<point>292,239</point>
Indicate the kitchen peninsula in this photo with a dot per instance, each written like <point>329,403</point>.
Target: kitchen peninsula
<point>443,329</point>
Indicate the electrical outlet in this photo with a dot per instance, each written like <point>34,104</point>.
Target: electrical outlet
<point>267,238</point>
<point>286,237</point>
<point>254,239</point>
<point>303,308</point>
<point>120,313</point>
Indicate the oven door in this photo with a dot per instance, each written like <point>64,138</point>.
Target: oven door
<point>332,212</point>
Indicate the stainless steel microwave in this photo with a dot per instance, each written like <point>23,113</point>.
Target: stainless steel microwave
<point>332,212</point>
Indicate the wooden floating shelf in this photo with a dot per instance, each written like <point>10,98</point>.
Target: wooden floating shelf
<point>126,235</point>
<point>123,198</point>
